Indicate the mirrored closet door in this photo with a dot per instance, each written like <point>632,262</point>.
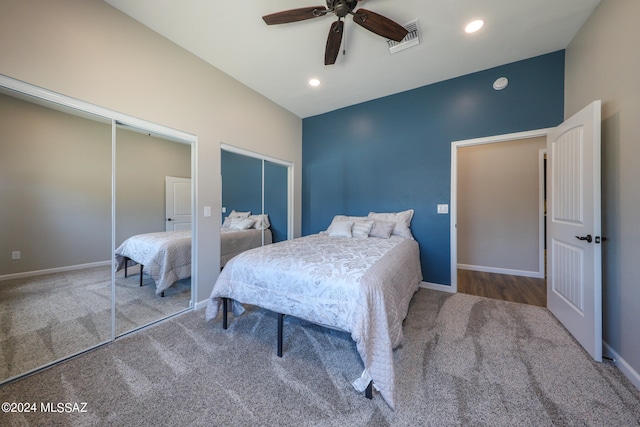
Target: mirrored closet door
<point>76,184</point>
<point>55,228</point>
<point>152,228</point>
<point>255,201</point>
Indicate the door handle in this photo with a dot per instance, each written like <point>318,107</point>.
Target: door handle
<point>588,238</point>
<point>169,219</point>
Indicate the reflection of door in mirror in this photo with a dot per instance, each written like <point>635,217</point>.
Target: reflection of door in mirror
<point>257,188</point>
<point>178,203</point>
<point>153,280</point>
<point>55,234</point>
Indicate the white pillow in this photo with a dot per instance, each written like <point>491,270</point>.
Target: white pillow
<point>340,229</point>
<point>382,229</point>
<point>339,218</point>
<point>241,223</point>
<point>235,214</point>
<point>361,228</point>
<point>402,220</point>
<point>261,221</point>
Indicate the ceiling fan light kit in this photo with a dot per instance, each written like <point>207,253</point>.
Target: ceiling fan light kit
<point>367,19</point>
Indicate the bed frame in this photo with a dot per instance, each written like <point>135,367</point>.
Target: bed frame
<point>126,266</point>
<point>225,301</point>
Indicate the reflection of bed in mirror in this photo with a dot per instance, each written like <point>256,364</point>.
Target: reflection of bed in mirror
<point>242,231</point>
<point>166,255</point>
<point>233,242</point>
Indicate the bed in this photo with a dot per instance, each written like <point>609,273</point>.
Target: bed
<point>361,285</point>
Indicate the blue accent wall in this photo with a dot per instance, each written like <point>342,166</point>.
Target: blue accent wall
<point>394,153</point>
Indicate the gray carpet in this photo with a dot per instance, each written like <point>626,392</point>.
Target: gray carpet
<point>466,361</point>
<point>51,316</point>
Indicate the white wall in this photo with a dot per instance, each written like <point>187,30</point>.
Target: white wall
<point>88,50</point>
<point>498,206</point>
<point>603,62</point>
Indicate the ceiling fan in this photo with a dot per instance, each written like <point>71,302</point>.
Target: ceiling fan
<point>372,21</point>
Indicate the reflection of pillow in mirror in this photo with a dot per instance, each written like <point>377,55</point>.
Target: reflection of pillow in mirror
<point>361,228</point>
<point>261,221</point>
<point>235,214</point>
<point>340,229</point>
<point>382,229</point>
<point>241,223</point>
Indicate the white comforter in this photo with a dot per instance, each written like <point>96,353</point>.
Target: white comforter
<point>165,255</point>
<point>362,286</point>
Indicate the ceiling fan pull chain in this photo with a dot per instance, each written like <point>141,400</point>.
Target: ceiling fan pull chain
<point>344,44</point>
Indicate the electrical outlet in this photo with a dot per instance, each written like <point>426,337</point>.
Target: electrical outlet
<point>443,209</point>
<point>16,255</point>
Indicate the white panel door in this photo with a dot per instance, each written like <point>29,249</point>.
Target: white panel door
<point>574,252</point>
<point>178,203</point>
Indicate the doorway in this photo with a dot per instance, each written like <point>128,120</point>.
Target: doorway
<point>497,223</point>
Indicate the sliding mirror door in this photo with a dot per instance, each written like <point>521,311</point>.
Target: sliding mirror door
<point>241,197</point>
<point>276,201</point>
<point>153,228</point>
<point>55,233</point>
<point>255,188</point>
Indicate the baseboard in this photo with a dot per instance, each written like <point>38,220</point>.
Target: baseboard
<point>523,273</point>
<point>437,287</point>
<point>54,270</point>
<point>201,304</point>
<point>624,367</point>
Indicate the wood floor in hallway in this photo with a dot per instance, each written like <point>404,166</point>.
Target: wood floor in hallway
<point>525,290</point>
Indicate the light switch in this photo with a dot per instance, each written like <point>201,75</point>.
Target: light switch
<point>443,209</point>
<point>224,210</point>
<point>207,211</point>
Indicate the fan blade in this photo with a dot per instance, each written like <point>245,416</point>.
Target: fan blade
<point>294,15</point>
<point>379,24</point>
<point>333,42</point>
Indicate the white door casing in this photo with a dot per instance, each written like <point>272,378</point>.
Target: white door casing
<point>574,281</point>
<point>178,203</point>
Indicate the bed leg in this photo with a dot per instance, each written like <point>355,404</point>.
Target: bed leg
<point>162,294</point>
<point>126,266</point>
<point>141,268</point>
<point>368,393</point>
<point>280,326</point>
<point>224,313</point>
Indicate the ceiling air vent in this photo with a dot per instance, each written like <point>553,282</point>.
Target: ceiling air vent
<point>411,39</point>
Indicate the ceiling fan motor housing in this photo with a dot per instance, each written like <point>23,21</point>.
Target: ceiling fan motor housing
<point>342,7</point>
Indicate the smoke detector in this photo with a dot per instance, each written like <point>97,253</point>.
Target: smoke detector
<point>410,40</point>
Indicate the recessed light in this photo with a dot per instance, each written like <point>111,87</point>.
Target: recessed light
<point>500,83</point>
<point>314,82</point>
<point>474,26</point>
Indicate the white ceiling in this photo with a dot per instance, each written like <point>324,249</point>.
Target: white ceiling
<point>278,61</point>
